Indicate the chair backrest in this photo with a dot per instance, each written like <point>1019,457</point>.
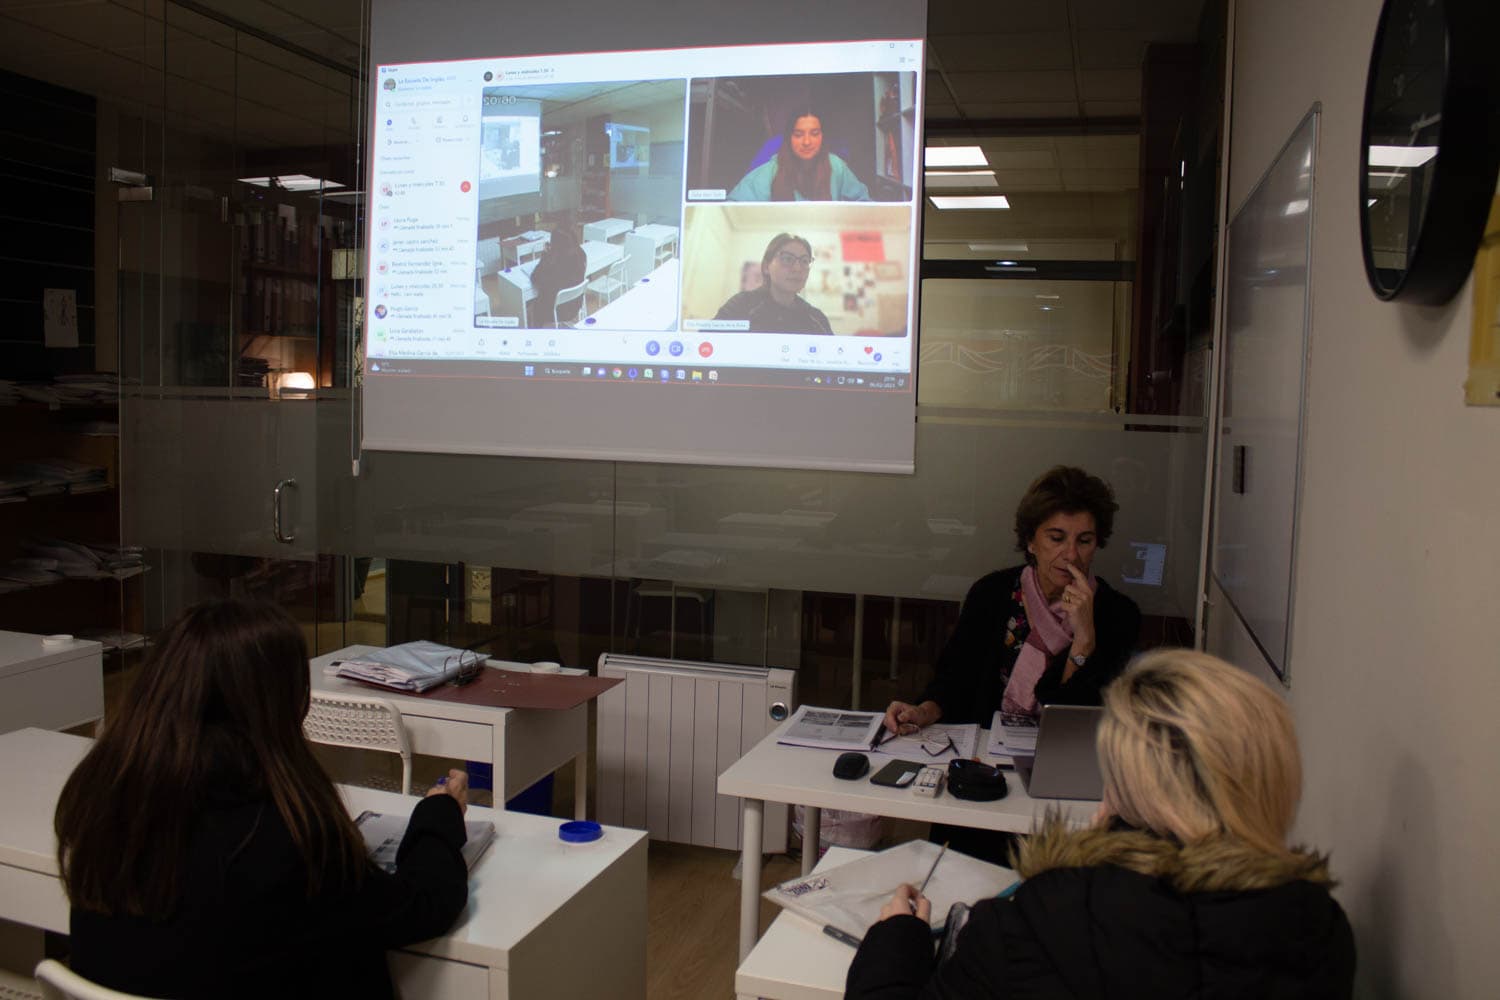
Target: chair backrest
<point>565,295</point>
<point>343,720</point>
<point>58,982</point>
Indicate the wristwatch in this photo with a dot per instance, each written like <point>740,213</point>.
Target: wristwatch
<point>1078,659</point>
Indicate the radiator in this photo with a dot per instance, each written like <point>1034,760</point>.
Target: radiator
<point>667,733</point>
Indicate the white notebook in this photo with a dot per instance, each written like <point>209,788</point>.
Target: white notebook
<point>383,833</point>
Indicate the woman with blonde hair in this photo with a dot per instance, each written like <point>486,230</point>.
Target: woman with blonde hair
<point>1183,887</point>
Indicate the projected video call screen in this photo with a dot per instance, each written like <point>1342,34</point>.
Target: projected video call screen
<point>732,216</point>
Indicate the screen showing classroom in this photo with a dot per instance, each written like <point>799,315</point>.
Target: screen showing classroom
<point>632,254</point>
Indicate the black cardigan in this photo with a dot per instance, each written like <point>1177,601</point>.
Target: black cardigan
<point>245,927</point>
<point>968,681</point>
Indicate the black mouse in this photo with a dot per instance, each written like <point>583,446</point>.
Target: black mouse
<point>851,765</point>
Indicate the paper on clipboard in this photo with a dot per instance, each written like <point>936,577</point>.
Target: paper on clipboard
<point>850,896</point>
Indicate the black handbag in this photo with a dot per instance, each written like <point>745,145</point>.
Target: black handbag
<point>976,782</point>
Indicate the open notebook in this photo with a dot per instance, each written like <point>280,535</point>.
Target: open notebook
<point>383,833</point>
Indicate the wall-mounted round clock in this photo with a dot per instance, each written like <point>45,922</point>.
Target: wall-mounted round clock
<point>1430,148</point>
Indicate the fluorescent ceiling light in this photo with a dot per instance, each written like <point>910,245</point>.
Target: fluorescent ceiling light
<point>1296,206</point>
<point>960,178</point>
<point>292,182</point>
<point>969,201</point>
<point>1401,156</point>
<point>1370,202</point>
<point>954,156</point>
<point>999,247</point>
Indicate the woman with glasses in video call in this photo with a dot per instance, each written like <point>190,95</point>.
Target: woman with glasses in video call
<point>775,307</point>
<point>802,169</point>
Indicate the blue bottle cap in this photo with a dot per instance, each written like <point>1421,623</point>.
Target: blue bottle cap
<point>580,831</point>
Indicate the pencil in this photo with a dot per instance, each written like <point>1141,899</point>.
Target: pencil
<point>923,887</point>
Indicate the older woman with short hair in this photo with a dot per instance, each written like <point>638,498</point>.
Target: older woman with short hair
<point>1183,887</point>
<point>1046,631</point>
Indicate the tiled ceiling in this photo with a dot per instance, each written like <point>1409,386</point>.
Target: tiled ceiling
<point>989,62</point>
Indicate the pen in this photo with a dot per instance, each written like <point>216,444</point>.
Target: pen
<point>881,735</point>
<point>839,935</point>
<point>923,887</point>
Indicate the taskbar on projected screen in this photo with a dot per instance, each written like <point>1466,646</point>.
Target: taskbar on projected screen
<point>566,371</point>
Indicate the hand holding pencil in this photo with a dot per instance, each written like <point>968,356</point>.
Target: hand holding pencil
<point>908,900</point>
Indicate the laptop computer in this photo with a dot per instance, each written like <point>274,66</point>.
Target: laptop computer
<point>1066,765</point>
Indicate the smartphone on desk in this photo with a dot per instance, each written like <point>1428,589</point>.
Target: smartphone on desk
<point>897,774</point>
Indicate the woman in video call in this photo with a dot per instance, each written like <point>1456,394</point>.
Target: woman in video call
<point>775,307</point>
<point>204,849</point>
<point>801,170</point>
<point>561,265</point>
<point>1184,885</point>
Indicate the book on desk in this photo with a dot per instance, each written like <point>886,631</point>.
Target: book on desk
<point>383,833</point>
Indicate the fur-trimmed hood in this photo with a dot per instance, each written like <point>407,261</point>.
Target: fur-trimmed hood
<point>1218,865</point>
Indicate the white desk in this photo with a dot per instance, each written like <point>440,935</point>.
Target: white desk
<point>605,230</point>
<point>535,903</point>
<point>795,960</point>
<point>513,290</point>
<point>647,248</point>
<point>802,776</point>
<point>54,687</point>
<point>523,247</point>
<point>649,304</point>
<point>524,745</point>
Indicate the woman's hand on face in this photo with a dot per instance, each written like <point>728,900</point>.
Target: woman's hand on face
<point>1078,605</point>
<point>455,784</point>
<point>907,902</point>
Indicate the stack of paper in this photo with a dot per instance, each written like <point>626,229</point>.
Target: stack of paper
<point>82,561</point>
<point>851,896</point>
<point>57,475</point>
<point>933,743</point>
<point>1013,735</point>
<point>832,729</point>
<point>113,638</point>
<point>411,666</point>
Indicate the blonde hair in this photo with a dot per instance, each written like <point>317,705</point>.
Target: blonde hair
<point>1192,748</point>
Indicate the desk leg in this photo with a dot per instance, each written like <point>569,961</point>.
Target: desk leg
<point>752,820</point>
<point>581,786</point>
<point>812,831</point>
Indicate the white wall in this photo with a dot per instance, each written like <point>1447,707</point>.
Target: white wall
<point>1395,651</point>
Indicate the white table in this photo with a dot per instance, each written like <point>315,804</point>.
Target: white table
<point>52,686</point>
<point>802,776</point>
<point>535,903</point>
<point>647,248</point>
<point>649,304</point>
<point>606,229</point>
<point>513,289</point>
<point>524,745</point>
<point>795,960</point>
<point>527,245</point>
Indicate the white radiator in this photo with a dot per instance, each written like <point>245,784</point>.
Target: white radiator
<point>669,731</point>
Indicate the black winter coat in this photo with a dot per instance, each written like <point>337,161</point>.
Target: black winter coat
<point>245,927</point>
<point>1124,914</point>
<point>970,676</point>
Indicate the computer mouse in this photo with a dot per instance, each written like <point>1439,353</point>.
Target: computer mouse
<point>851,765</point>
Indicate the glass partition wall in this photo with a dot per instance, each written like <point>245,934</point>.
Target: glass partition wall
<point>240,287</point>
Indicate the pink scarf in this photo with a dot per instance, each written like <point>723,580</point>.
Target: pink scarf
<point>1050,634</point>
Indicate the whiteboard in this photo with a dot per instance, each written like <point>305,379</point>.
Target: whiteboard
<point>1257,473</point>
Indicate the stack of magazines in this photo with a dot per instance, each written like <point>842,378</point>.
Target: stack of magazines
<point>411,666</point>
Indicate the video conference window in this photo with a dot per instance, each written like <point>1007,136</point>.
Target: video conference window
<point>829,137</point>
<point>583,151</point>
<point>813,269</point>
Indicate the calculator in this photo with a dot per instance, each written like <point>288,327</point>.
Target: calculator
<point>929,782</point>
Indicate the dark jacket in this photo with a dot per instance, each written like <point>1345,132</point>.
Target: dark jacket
<point>766,315</point>
<point>1125,914</point>
<point>975,664</point>
<point>245,927</point>
<point>557,268</point>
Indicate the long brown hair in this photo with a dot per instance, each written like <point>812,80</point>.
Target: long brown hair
<point>813,179</point>
<point>219,705</point>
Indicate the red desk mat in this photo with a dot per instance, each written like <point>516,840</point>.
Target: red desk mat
<point>515,689</point>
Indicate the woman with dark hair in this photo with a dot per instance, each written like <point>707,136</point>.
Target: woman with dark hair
<point>562,265</point>
<point>206,853</point>
<point>775,307</point>
<point>1046,631</point>
<point>802,169</point>
<point>1184,886</point>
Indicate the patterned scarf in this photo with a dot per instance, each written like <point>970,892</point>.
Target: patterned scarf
<point>1050,634</point>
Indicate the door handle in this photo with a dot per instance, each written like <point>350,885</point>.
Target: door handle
<point>281,536</point>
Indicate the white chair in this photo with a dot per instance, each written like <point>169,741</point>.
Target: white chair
<point>58,982</point>
<point>611,283</point>
<point>567,295</point>
<point>14,986</point>
<point>342,720</point>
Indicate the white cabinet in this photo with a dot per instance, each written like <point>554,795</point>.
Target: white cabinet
<point>49,686</point>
